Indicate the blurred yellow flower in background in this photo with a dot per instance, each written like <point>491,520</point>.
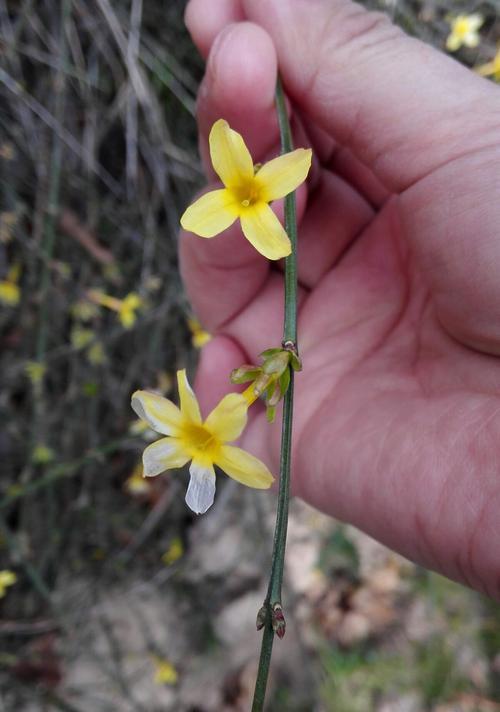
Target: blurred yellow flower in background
<point>35,370</point>
<point>10,293</point>
<point>247,192</point>
<point>464,31</point>
<point>96,355</point>
<point>125,308</point>
<point>136,484</point>
<point>204,443</point>
<point>165,672</point>
<point>491,69</point>
<point>7,578</point>
<point>81,337</point>
<point>174,552</point>
<point>84,310</point>
<point>199,337</point>
<point>42,454</point>
<point>142,428</point>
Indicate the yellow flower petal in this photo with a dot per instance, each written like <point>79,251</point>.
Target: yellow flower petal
<point>264,231</point>
<point>165,672</point>
<point>128,317</point>
<point>485,70</point>
<point>228,418</point>
<point>7,578</point>
<point>230,157</point>
<point>189,405</point>
<point>174,552</point>
<point>471,39</point>
<point>164,454</point>
<point>10,294</point>
<point>453,43</point>
<point>475,21</point>
<point>284,174</point>
<point>201,490</point>
<point>160,413</point>
<point>244,468</point>
<point>211,214</point>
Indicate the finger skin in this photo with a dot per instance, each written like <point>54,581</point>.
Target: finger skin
<point>217,359</point>
<point>239,86</point>
<point>205,20</point>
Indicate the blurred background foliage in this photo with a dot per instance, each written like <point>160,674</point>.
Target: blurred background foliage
<point>112,595</point>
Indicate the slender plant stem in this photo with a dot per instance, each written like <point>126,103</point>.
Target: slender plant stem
<point>290,324</point>
<point>273,596</point>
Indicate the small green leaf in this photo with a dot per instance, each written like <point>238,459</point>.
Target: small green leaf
<point>270,413</point>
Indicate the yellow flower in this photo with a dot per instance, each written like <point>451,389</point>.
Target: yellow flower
<point>199,337</point>
<point>10,293</point>
<point>125,308</point>
<point>7,578</point>
<point>136,483</point>
<point>202,442</point>
<point>35,370</point>
<point>174,552</point>
<point>464,31</point>
<point>96,354</point>
<point>140,427</point>
<point>42,454</point>
<point>247,192</point>
<point>128,307</point>
<point>491,69</point>
<point>81,337</point>
<point>84,310</point>
<point>165,673</point>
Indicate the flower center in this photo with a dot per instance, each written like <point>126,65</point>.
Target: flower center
<point>462,28</point>
<point>200,440</point>
<point>247,194</point>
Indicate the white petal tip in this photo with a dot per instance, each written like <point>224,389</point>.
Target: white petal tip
<point>201,489</point>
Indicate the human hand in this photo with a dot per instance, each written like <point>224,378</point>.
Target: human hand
<point>397,410</point>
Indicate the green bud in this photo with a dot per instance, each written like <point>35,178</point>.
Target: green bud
<point>245,373</point>
<point>270,413</point>
<point>277,363</point>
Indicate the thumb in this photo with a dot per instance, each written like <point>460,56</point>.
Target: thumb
<point>398,104</point>
<point>424,124</point>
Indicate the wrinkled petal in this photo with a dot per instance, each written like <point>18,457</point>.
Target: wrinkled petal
<point>160,413</point>
<point>201,489</point>
<point>228,418</point>
<point>244,468</point>
<point>211,214</point>
<point>262,228</point>
<point>230,157</point>
<point>284,174</point>
<point>164,454</point>
<point>189,404</point>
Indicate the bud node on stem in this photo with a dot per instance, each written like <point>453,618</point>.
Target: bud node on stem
<point>278,620</point>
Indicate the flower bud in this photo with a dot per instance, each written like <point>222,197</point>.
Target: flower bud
<point>261,618</point>
<point>277,363</point>
<point>278,620</point>
<point>245,373</point>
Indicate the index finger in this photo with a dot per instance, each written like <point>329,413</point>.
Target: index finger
<point>223,274</point>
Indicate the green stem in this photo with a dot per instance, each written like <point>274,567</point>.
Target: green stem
<point>273,596</point>
<point>290,324</point>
